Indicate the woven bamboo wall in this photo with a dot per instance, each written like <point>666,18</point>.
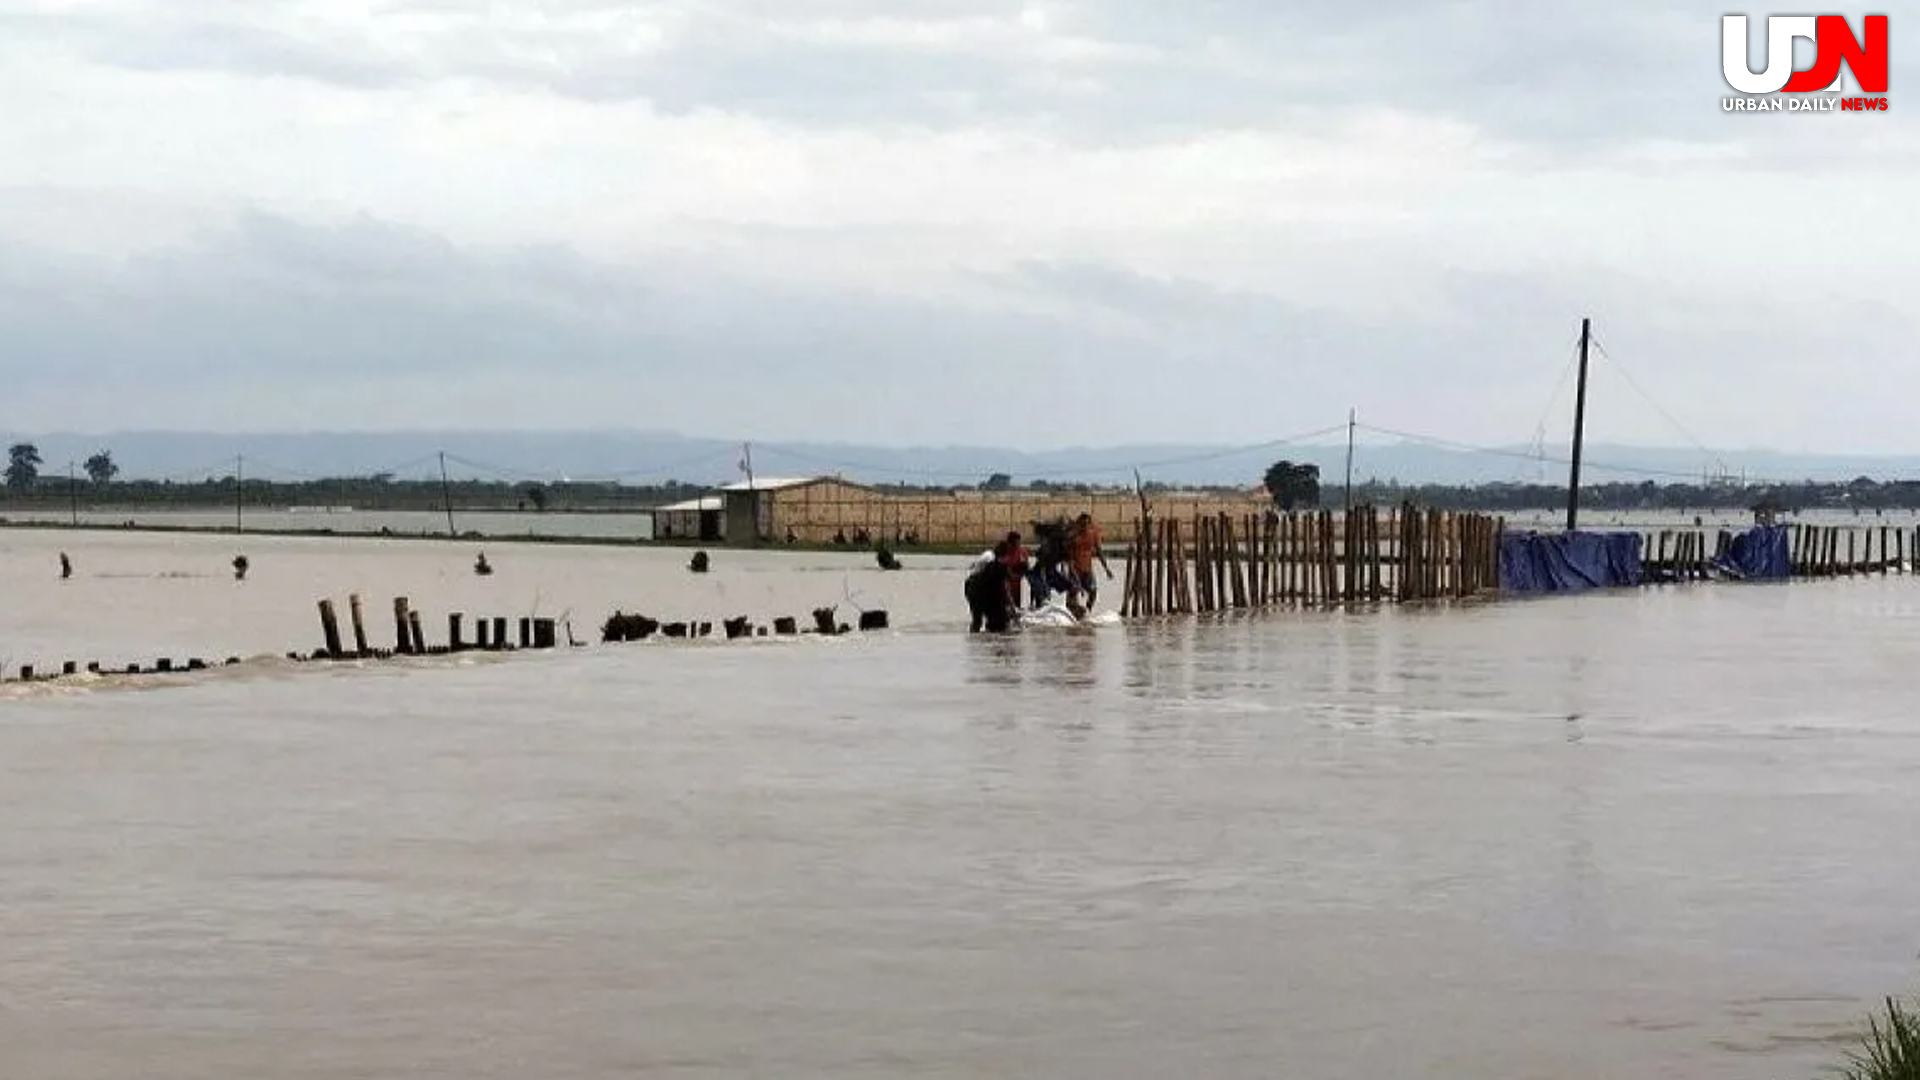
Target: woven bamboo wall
<point>816,512</point>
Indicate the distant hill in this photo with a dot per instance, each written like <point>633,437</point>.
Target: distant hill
<point>646,456</point>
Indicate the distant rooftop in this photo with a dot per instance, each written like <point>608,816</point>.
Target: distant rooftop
<point>773,483</point>
<point>704,502</point>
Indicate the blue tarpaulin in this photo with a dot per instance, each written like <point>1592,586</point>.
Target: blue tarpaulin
<point>1532,562</point>
<point>1760,552</point>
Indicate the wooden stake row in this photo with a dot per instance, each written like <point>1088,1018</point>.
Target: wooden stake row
<point>410,637</point>
<point>624,626</point>
<point>1313,558</point>
<point>71,668</point>
<point>1814,551</point>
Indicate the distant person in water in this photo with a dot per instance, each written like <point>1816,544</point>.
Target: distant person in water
<point>66,567</point>
<point>481,566</point>
<point>240,565</point>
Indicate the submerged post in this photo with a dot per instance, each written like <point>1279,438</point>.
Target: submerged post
<point>1579,429</point>
<point>402,629</point>
<point>330,629</point>
<point>359,627</point>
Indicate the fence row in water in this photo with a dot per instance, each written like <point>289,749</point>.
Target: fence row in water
<point>1316,558</point>
<point>1320,558</point>
<point>1812,551</point>
<point>489,635</point>
<point>70,668</point>
<point>538,633</point>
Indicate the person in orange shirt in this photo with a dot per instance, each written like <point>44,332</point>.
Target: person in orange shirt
<point>1083,547</point>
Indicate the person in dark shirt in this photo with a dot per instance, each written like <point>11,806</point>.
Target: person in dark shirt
<point>1018,562</point>
<point>1047,572</point>
<point>988,603</point>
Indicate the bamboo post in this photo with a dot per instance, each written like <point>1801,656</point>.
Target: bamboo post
<point>499,632</point>
<point>1436,554</point>
<point>1222,597</point>
<point>1202,574</point>
<point>359,626</point>
<point>1288,589</point>
<point>1437,587</point>
<point>330,629</point>
<point>1373,553</point>
<point>1349,556</point>
<point>1222,563</point>
<point>1162,571</point>
<point>419,638</point>
<point>1235,565</point>
<point>454,642</point>
<point>1457,552</point>
<point>1169,582</point>
<point>1310,583</point>
<point>1273,557</point>
<point>402,633</point>
<point>1400,554</point>
<point>1189,570</point>
<point>1250,557</point>
<point>1329,561</point>
<point>1130,594</point>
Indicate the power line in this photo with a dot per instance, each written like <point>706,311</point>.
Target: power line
<point>1632,470</point>
<point>1634,384</point>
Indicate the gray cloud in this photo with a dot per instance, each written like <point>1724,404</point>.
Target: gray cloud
<point>273,320</point>
<point>1585,75</point>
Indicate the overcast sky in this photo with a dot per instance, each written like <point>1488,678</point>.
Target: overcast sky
<point>930,221</point>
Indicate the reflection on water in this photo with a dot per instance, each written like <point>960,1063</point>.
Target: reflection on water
<point>1663,833</point>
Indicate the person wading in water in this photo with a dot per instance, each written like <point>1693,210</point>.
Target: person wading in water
<point>1083,547</point>
<point>988,603</point>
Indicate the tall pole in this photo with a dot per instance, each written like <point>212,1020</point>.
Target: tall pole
<point>73,494</point>
<point>1352,414</point>
<point>753,500</point>
<point>239,486</point>
<point>1579,428</point>
<point>446,492</point>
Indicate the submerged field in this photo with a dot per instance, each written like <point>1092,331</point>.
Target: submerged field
<point>1656,833</point>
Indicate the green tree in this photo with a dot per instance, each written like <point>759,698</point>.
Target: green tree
<point>23,466</point>
<point>998,482</point>
<point>101,468</point>
<point>1293,485</point>
<point>537,495</point>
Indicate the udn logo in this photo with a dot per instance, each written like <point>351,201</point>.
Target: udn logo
<point>1834,45</point>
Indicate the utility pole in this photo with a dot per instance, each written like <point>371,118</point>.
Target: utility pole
<point>1352,415</point>
<point>446,492</point>
<point>1579,428</point>
<point>239,486</point>
<point>73,493</point>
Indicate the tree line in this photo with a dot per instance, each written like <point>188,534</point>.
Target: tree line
<point>1292,486</point>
